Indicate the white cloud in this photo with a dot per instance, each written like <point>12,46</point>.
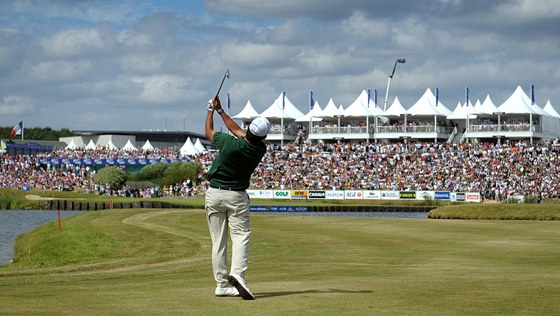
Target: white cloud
<point>162,88</point>
<point>75,42</point>
<point>16,105</point>
<point>60,70</point>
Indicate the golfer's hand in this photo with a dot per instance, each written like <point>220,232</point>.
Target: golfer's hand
<point>216,103</point>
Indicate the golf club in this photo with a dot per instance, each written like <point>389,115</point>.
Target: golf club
<point>226,75</point>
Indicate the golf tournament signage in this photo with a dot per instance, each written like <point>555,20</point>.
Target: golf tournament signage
<point>107,161</point>
<point>473,197</point>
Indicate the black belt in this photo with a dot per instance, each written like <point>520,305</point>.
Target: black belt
<point>228,189</point>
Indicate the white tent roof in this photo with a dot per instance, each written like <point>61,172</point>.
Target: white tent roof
<point>314,114</point>
<point>188,148</point>
<point>248,113</point>
<point>91,145</point>
<point>147,145</point>
<point>477,104</point>
<point>548,108</point>
<point>520,103</point>
<point>359,108</point>
<point>331,110</point>
<point>128,146</point>
<point>487,107</point>
<point>462,112</point>
<point>426,106</point>
<point>198,146</point>
<point>111,145</point>
<point>71,145</point>
<point>275,110</point>
<point>396,109</point>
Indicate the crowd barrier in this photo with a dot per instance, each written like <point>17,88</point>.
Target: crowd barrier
<point>365,195</point>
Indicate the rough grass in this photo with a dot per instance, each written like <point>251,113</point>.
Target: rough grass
<point>157,262</point>
<point>498,211</point>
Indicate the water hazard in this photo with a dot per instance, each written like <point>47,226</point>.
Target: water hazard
<point>13,223</point>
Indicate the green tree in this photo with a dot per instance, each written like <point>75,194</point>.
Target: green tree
<point>37,133</point>
<point>112,176</point>
<point>169,174</point>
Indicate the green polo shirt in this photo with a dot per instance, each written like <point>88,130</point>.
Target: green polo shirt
<point>236,161</point>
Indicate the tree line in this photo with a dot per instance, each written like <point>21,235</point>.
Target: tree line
<point>36,133</point>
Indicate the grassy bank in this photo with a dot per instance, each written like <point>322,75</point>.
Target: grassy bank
<point>498,211</point>
<point>157,262</point>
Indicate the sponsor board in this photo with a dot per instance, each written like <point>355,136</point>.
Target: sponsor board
<point>353,195</point>
<point>389,195</point>
<point>258,208</point>
<point>442,195</point>
<point>279,209</point>
<point>314,194</point>
<point>282,194</point>
<point>460,197</point>
<point>372,195</point>
<point>472,197</point>
<point>425,195</point>
<point>299,194</point>
<point>407,195</point>
<point>260,194</point>
<point>334,195</point>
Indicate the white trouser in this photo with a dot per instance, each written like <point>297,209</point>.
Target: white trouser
<point>228,209</point>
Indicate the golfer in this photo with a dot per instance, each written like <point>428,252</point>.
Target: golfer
<point>227,203</point>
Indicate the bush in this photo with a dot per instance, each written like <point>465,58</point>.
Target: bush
<point>6,200</point>
<point>112,176</point>
<point>531,199</point>
<point>169,174</point>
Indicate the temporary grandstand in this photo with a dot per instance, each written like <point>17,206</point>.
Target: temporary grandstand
<point>518,117</point>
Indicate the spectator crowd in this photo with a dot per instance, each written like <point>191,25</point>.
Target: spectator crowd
<point>495,170</point>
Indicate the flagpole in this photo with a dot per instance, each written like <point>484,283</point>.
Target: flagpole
<point>282,120</point>
<point>22,124</point>
<point>310,108</point>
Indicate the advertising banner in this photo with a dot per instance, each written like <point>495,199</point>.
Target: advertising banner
<point>334,195</point>
<point>260,194</point>
<point>353,195</point>
<point>316,194</point>
<point>108,161</point>
<point>372,195</point>
<point>460,197</point>
<point>407,195</point>
<point>279,209</point>
<point>425,195</point>
<point>282,194</point>
<point>390,195</point>
<point>299,194</point>
<point>443,195</point>
<point>472,197</point>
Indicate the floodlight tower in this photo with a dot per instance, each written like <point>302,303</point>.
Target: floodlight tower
<point>398,61</point>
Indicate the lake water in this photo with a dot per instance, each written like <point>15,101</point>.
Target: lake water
<point>13,223</point>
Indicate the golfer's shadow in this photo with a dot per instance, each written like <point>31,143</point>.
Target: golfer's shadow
<point>320,291</point>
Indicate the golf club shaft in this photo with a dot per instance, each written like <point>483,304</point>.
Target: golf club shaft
<point>223,79</point>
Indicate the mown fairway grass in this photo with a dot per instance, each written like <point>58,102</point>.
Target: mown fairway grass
<point>157,262</point>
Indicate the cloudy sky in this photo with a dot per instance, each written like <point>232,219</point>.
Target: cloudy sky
<point>140,65</point>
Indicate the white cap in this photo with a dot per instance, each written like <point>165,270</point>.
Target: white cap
<point>260,126</point>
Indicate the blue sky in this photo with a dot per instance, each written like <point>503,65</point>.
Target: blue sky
<point>141,65</point>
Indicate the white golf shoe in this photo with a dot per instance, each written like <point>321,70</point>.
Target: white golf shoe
<point>240,285</point>
<point>226,291</point>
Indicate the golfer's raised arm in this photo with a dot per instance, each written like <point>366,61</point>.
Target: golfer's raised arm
<point>230,124</point>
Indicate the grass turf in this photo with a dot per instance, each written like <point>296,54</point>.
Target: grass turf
<point>158,262</point>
